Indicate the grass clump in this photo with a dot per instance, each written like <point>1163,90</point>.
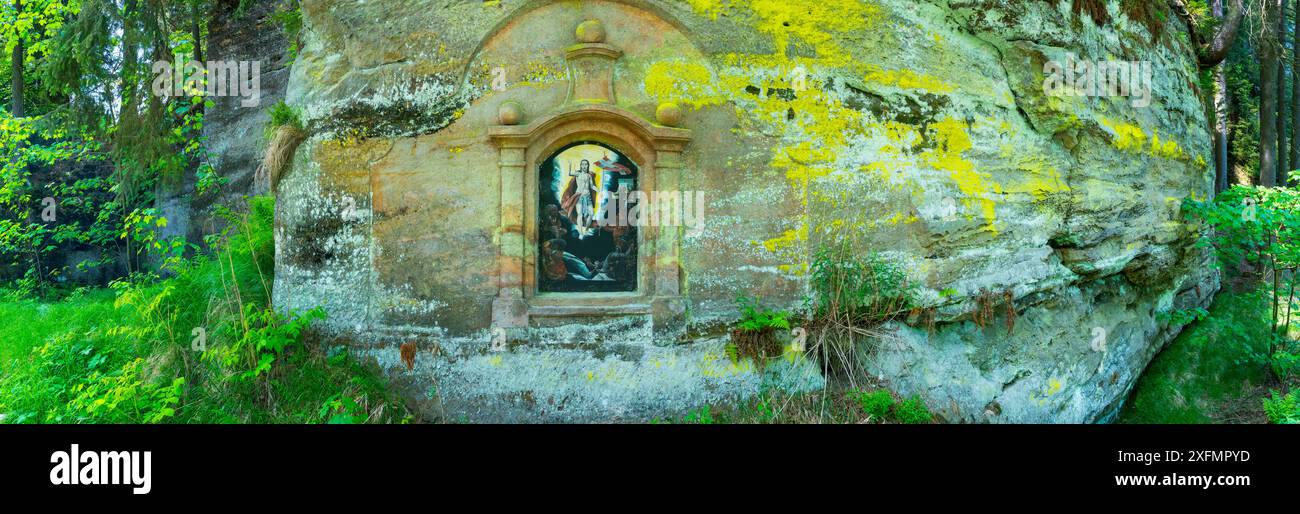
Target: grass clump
<point>853,294</point>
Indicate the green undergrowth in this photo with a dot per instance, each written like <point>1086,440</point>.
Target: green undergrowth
<point>821,407</point>
<point>1213,372</point>
<point>202,346</point>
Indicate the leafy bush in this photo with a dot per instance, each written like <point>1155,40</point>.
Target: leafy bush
<point>863,288</point>
<point>1255,232</point>
<point>125,397</point>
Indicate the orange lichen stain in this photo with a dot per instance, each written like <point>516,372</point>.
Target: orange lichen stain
<point>952,141</point>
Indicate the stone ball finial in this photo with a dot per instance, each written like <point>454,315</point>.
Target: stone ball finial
<point>669,114</point>
<point>510,113</point>
<point>591,31</point>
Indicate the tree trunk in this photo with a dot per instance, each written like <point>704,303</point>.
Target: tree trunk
<point>1221,116</point>
<point>1295,93</point>
<point>1283,111</point>
<point>1213,52</point>
<point>16,62</point>
<point>197,34</point>
<point>1268,67</point>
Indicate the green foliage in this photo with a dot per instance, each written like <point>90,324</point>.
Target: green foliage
<point>847,407</point>
<point>754,318</point>
<point>912,411</point>
<point>1213,362</point>
<point>201,346</point>
<point>861,287</point>
<point>701,416</point>
<point>876,404</point>
<point>1282,408</point>
<point>125,397</point>
<point>1255,232</point>
<point>290,22</point>
<point>281,114</point>
<point>1183,317</point>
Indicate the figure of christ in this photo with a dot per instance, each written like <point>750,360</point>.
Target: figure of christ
<point>584,188</point>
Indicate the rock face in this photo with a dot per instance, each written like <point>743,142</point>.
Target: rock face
<point>234,131</point>
<point>919,130</point>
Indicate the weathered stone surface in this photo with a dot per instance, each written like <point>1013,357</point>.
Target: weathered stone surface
<point>235,141</point>
<point>924,134</point>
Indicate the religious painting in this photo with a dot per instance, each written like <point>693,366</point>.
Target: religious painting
<point>584,245</point>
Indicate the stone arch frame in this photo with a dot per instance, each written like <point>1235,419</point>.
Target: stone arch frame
<point>657,150</point>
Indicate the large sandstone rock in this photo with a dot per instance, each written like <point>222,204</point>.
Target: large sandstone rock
<point>924,134</point>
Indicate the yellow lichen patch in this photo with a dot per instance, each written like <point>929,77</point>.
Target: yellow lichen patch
<point>1126,136</point>
<point>1131,138</point>
<point>540,74</point>
<point>906,79</point>
<point>902,137</point>
<point>787,240</point>
<point>1166,149</point>
<point>715,365</point>
<point>1040,176</point>
<point>685,83</point>
<point>952,140</point>
<point>812,22</point>
<point>710,8</point>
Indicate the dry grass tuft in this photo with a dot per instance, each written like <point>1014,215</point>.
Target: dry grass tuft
<point>279,153</point>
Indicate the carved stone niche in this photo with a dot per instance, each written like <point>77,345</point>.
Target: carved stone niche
<point>590,114</point>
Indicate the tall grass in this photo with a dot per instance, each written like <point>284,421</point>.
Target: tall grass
<point>853,295</point>
<point>201,346</point>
